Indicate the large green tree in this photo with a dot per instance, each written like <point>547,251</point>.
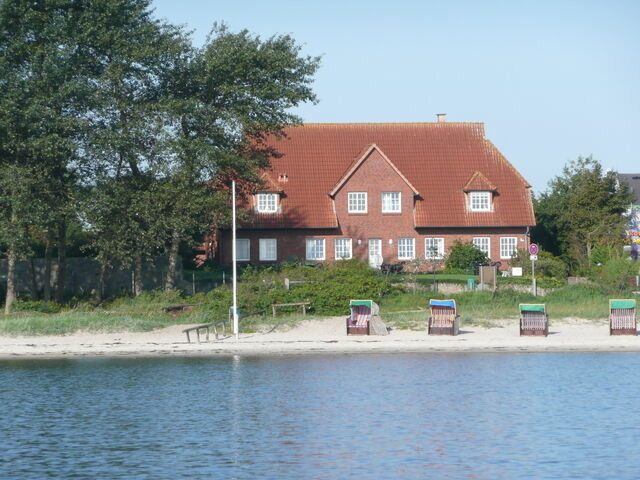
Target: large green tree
<point>582,208</point>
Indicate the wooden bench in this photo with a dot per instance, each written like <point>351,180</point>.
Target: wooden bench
<point>304,306</point>
<point>206,327</point>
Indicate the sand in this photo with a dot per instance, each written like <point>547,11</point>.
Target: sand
<point>325,336</point>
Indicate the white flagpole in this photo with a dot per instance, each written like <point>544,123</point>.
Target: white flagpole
<point>234,256</point>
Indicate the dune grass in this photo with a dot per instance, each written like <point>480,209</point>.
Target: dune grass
<point>399,310</point>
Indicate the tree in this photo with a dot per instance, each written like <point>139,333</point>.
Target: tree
<point>221,101</point>
<point>464,256</point>
<point>583,207</point>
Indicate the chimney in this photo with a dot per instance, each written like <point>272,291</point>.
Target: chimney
<point>283,178</point>
<point>442,117</point>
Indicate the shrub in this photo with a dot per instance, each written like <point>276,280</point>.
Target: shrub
<point>463,256</point>
<point>546,266</point>
<point>615,275</point>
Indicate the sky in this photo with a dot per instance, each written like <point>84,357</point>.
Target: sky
<point>551,80</point>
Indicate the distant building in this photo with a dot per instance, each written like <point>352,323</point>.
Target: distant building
<point>384,193</point>
<point>633,229</point>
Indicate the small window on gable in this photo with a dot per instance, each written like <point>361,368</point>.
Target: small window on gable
<point>357,202</point>
<point>267,202</point>
<point>391,202</point>
<point>480,201</point>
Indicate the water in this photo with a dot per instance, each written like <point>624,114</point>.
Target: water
<point>371,416</point>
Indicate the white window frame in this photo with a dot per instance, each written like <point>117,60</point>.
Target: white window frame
<point>357,202</point>
<point>512,246</point>
<point>267,202</point>
<point>480,201</point>
<point>346,248</point>
<point>428,253</point>
<point>478,243</point>
<point>268,249</point>
<point>311,246</point>
<point>390,204</point>
<point>404,244</point>
<point>248,244</point>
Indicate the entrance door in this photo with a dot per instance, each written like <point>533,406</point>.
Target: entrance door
<point>375,252</point>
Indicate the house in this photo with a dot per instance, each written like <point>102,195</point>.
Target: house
<point>633,228</point>
<point>384,192</point>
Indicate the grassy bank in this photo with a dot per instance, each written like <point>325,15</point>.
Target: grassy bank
<point>399,310</point>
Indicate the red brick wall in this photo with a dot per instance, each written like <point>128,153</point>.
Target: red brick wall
<point>374,176</point>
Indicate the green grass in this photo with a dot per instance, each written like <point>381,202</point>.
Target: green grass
<point>399,310</point>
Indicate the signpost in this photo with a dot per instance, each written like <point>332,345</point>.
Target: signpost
<point>533,256</point>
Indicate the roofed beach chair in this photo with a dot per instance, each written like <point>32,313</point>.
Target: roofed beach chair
<point>622,317</point>
<point>359,322</point>
<point>534,319</point>
<point>444,319</point>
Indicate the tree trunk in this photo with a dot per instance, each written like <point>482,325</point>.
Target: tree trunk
<point>12,257</point>
<point>47,266</point>
<point>99,293</point>
<point>170,281</point>
<point>137,276</point>
<point>34,282</point>
<point>62,255</point>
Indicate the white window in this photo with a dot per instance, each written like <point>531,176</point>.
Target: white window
<point>267,202</point>
<point>406,248</point>
<point>480,201</point>
<point>434,248</point>
<point>483,244</point>
<point>391,202</point>
<point>357,202</point>
<point>268,249</point>
<point>343,248</point>
<point>508,246</point>
<point>242,250</point>
<point>315,249</point>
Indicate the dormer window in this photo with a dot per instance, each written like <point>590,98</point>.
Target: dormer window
<point>480,201</point>
<point>267,202</point>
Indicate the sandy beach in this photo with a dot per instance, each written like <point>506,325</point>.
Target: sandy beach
<point>322,336</point>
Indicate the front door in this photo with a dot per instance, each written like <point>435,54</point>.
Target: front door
<point>375,252</point>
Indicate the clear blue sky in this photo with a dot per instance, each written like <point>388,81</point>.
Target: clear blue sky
<point>551,80</point>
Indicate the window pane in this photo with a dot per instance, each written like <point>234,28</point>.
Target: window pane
<point>315,249</point>
<point>357,202</point>
<point>268,249</point>
<point>406,250</point>
<point>434,247</point>
<point>482,243</point>
<point>242,249</point>
<point>343,248</point>
<point>267,202</point>
<point>480,201</point>
<point>508,246</point>
<point>391,202</point>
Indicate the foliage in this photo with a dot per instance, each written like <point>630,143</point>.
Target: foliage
<point>582,208</point>
<point>463,256</point>
<point>547,265</point>
<point>616,275</point>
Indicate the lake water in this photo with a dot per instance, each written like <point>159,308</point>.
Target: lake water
<point>453,416</point>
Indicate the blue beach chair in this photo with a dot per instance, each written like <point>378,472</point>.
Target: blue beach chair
<point>444,318</point>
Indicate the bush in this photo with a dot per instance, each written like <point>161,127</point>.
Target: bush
<point>546,266</point>
<point>328,287</point>
<point>463,256</point>
<point>615,275</point>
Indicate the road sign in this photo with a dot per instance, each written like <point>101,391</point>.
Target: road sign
<point>533,258</point>
<point>533,249</point>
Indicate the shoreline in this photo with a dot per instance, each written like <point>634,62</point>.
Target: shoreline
<point>326,336</point>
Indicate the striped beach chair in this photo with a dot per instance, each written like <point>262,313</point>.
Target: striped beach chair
<point>534,319</point>
<point>358,323</point>
<point>622,317</point>
<point>444,318</point>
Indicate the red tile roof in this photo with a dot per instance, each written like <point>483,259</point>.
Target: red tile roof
<point>440,160</point>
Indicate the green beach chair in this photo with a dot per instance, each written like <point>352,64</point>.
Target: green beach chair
<point>359,322</point>
<point>534,319</point>
<point>444,319</point>
<point>622,317</point>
